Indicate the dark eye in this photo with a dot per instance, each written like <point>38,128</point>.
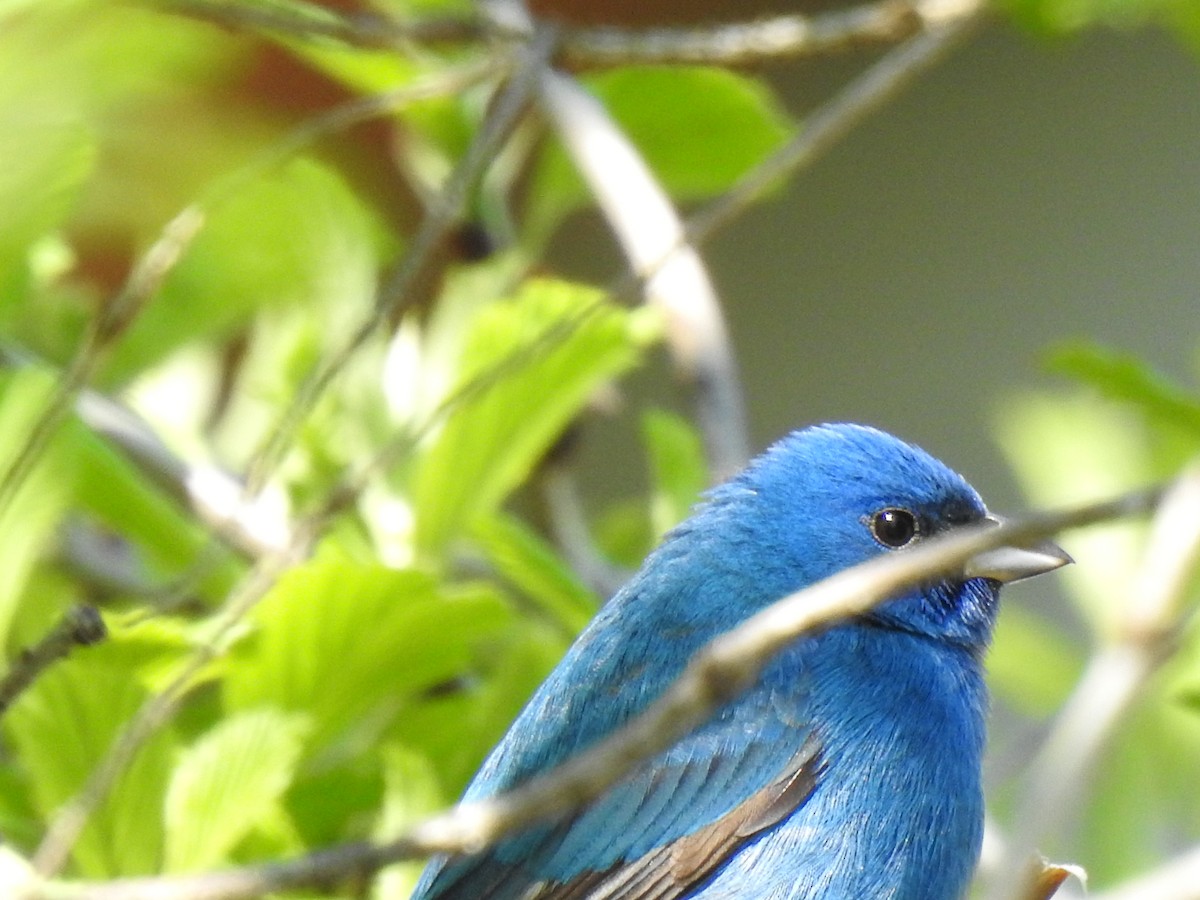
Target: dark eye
<point>894,527</point>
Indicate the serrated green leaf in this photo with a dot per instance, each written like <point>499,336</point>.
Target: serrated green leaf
<point>538,358</point>
<point>532,565</point>
<point>677,467</point>
<point>337,639</point>
<point>1124,377</point>
<point>698,128</point>
<point>294,236</point>
<point>456,729</point>
<point>61,728</point>
<point>226,782</point>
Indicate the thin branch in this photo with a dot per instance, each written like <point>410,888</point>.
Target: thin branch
<point>649,230</point>
<point>778,37</point>
<point>716,674</point>
<point>80,626</point>
<point>830,122</point>
<point>103,331</point>
<point>215,496</point>
<point>1113,681</point>
<point>733,43</point>
<point>71,818</point>
<point>312,23</point>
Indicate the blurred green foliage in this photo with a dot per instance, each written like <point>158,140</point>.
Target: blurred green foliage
<point>365,686</point>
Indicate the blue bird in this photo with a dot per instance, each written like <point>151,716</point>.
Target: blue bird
<point>849,771</point>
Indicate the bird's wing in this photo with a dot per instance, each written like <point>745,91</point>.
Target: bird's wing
<point>664,829</point>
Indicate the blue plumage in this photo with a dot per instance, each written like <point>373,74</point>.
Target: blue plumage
<point>849,770</point>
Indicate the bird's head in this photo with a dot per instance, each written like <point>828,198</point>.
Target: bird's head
<point>831,496</point>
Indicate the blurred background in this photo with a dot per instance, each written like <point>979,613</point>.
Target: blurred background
<point>1040,185</point>
<point>1026,191</point>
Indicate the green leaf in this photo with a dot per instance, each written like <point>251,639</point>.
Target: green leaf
<point>532,565</point>
<point>1124,377</point>
<point>28,522</point>
<point>294,236</point>
<point>61,728</point>
<point>456,729</point>
<point>529,366</point>
<point>1144,788</point>
<point>340,640</point>
<point>46,162</point>
<point>122,498</point>
<point>1033,664</point>
<point>412,791</point>
<point>225,783</point>
<point>677,467</point>
<point>1070,449</point>
<point>698,128</point>
<point>1057,16</point>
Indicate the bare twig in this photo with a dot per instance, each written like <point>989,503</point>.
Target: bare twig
<point>675,279</point>
<point>70,820</point>
<point>717,673</point>
<point>732,43</point>
<point>833,120</point>
<point>1111,684</point>
<point>314,23</point>
<point>80,626</point>
<point>736,43</point>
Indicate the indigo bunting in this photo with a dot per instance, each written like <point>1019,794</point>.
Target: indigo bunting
<point>849,770</point>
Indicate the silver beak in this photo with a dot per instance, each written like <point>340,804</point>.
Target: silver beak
<point>1006,564</point>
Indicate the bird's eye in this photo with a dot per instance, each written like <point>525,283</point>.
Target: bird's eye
<point>894,527</point>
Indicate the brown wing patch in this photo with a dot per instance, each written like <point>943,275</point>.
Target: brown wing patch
<point>670,871</point>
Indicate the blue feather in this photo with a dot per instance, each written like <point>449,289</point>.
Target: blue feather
<point>850,769</point>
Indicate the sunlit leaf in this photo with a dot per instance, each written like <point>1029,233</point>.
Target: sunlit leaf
<point>45,165</point>
<point>1071,449</point>
<point>699,129</point>
<point>529,563</point>
<point>1124,377</point>
<point>532,363</point>
<point>336,639</point>
<point>1033,663</point>
<point>225,783</point>
<point>455,729</point>
<point>27,523</point>
<point>294,236</point>
<point>61,729</point>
